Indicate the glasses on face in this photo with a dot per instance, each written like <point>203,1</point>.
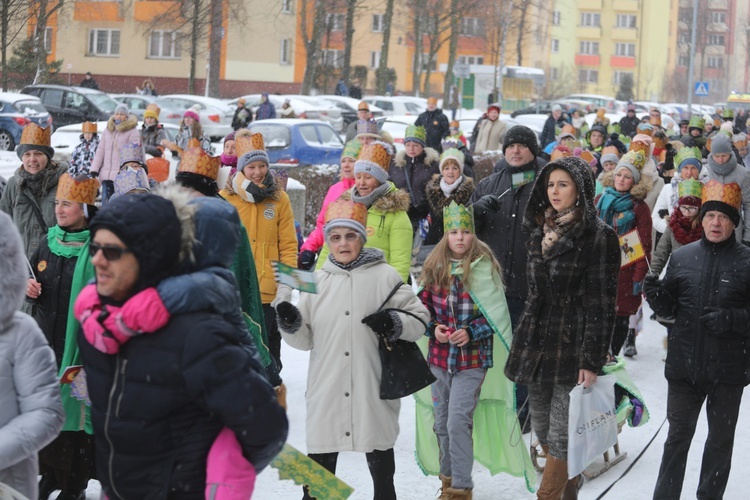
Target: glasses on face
<point>688,209</point>
<point>110,252</point>
<point>335,239</point>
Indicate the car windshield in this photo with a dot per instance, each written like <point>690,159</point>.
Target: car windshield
<point>103,102</point>
<point>329,137</point>
<point>30,108</point>
<point>275,136</point>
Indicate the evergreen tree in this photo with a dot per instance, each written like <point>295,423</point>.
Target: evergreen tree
<point>626,88</point>
<point>22,67</point>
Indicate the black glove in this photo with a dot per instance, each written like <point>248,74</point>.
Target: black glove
<point>669,157</point>
<point>93,174</point>
<point>661,300</point>
<point>483,207</point>
<point>306,260</point>
<point>385,324</point>
<point>288,316</point>
<point>717,320</point>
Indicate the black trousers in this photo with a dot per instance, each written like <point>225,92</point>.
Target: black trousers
<point>622,325</point>
<point>274,336</point>
<point>382,468</point>
<point>68,461</point>
<point>684,402</point>
<point>515,310</point>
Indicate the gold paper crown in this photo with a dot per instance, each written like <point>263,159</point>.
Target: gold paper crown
<point>152,111</point>
<point>457,216</point>
<point>197,161</point>
<point>640,144</point>
<point>246,141</point>
<point>558,153</point>
<point>655,121</point>
<point>610,150</point>
<point>193,143</point>
<point>346,209</point>
<point>731,193</point>
<point>89,128</point>
<point>659,142</point>
<point>377,154</point>
<point>83,191</point>
<point>158,169</point>
<point>35,135</point>
<point>568,129</point>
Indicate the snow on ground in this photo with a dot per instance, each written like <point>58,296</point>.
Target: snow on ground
<point>9,163</point>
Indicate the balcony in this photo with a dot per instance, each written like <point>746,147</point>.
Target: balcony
<point>587,59</point>
<point>627,34</point>
<point>625,5</point>
<point>589,4</point>
<point>97,11</point>
<point>622,62</point>
<point>590,32</point>
<point>718,4</point>
<point>147,11</point>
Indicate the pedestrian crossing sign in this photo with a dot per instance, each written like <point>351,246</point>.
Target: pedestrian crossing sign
<point>701,89</point>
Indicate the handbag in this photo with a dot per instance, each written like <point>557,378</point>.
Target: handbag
<point>592,423</point>
<point>405,371</point>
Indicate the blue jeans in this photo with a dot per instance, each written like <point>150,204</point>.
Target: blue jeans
<point>108,189</point>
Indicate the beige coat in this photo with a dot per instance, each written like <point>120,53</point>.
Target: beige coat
<point>490,137</point>
<point>344,409</point>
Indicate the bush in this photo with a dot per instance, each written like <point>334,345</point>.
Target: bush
<point>484,163</point>
<point>317,180</point>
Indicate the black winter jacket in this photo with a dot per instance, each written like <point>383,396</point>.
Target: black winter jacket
<point>436,125</point>
<point>151,137</point>
<point>158,405</point>
<point>412,175</point>
<point>548,132</point>
<point>502,230</point>
<point>700,275</point>
<point>629,126</point>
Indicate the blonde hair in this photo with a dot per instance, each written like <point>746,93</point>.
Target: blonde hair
<point>436,272</point>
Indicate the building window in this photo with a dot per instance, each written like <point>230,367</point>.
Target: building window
<point>625,21</point>
<point>286,6</point>
<point>625,49</point>
<point>47,39</point>
<point>716,40</point>
<point>286,51</point>
<point>472,26</point>
<point>590,19</point>
<point>333,58</point>
<point>683,61</point>
<point>556,18</point>
<point>588,75</point>
<point>432,65</point>
<point>555,46</point>
<point>335,22</point>
<point>164,45</point>
<point>591,48</point>
<point>685,15</point>
<point>715,62</point>
<point>719,17</point>
<point>553,74</point>
<point>104,42</point>
<point>471,59</point>
<point>377,23</point>
<point>619,75</point>
<point>374,60</point>
<point>683,38</point>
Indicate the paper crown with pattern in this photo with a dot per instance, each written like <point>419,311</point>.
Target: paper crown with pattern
<point>197,161</point>
<point>281,178</point>
<point>346,210</point>
<point>132,151</point>
<point>642,143</point>
<point>246,141</point>
<point>89,128</point>
<point>585,155</point>
<point>560,151</point>
<point>635,158</point>
<point>687,153</point>
<point>740,140</point>
<point>376,153</point>
<point>352,149</point>
<point>655,121</point>
<point>567,130</point>
<point>415,133</point>
<point>610,150</point>
<point>457,216</point>
<point>35,135</point>
<point>729,194</point>
<point>152,111</point>
<point>78,191</point>
<point>690,187</point>
<point>697,121</point>
<point>367,128</point>
<point>158,169</point>
<point>645,128</point>
<point>130,180</point>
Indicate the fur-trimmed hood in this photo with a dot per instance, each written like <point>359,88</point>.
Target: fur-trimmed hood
<point>437,199</point>
<point>430,157</point>
<point>128,124</point>
<point>13,270</point>
<point>394,200</point>
<point>639,191</point>
<point>181,198</point>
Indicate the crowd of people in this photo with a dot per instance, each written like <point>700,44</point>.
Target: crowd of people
<point>145,317</point>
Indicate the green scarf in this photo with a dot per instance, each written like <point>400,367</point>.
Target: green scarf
<point>77,413</point>
<point>498,443</point>
<point>64,244</point>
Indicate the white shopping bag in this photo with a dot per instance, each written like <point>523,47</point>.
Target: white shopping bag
<point>592,423</point>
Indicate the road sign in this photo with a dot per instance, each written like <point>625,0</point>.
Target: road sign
<point>701,89</point>
<point>461,70</point>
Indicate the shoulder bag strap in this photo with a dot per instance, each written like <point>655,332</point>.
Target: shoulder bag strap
<point>36,209</point>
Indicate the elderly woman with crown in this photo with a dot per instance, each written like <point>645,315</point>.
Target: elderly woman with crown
<point>29,197</point>
<point>338,325</point>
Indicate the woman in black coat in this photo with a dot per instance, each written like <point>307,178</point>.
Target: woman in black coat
<point>567,324</point>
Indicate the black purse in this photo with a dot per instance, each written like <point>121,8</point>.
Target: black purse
<point>405,370</point>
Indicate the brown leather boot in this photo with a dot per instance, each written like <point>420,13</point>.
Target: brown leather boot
<point>554,479</point>
<point>572,487</point>
<point>281,395</point>
<point>459,494</point>
<point>446,480</point>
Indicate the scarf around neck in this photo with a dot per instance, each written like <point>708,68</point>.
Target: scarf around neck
<point>682,228</point>
<point>66,244</point>
<point>725,168</point>
<point>557,224</point>
<point>616,210</point>
<point>371,198</point>
<point>250,192</point>
<point>366,256</point>
<point>449,188</point>
<point>41,182</point>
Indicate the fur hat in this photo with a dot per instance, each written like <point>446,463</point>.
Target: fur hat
<point>346,213</point>
<point>416,133</point>
<point>130,180</point>
<point>634,161</point>
<point>452,154</point>
<point>495,106</point>
<point>374,159</point>
<point>132,151</point>
<point>249,148</point>
<point>521,134</point>
<point>35,138</point>
<point>726,198</point>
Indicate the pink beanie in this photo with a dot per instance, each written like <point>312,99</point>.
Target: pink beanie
<point>192,114</point>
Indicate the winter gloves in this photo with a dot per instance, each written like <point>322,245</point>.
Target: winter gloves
<point>484,207</point>
<point>724,321</point>
<point>283,294</point>
<point>306,260</point>
<point>385,324</point>
<point>288,316</point>
<point>661,301</point>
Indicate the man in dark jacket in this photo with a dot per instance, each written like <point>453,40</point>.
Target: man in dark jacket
<point>242,115</point>
<point>555,120</point>
<point>629,122</point>
<point>160,399</point>
<point>707,290</point>
<point>88,82</point>
<point>436,125</point>
<point>499,203</point>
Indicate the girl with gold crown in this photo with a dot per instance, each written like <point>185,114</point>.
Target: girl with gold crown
<point>469,340</point>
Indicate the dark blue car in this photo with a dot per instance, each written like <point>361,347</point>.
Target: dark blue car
<point>17,110</point>
<point>295,143</point>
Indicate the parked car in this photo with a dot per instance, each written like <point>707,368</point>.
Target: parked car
<point>17,110</point>
<point>393,106</point>
<point>69,105</point>
<point>292,142</point>
<point>534,122</point>
<point>601,101</point>
<point>215,114</point>
<point>396,126</point>
<point>348,107</point>
<point>303,108</point>
<point>137,104</point>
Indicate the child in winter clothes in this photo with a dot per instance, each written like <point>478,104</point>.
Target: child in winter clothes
<point>463,291</point>
<point>83,154</point>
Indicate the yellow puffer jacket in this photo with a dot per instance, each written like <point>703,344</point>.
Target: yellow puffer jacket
<point>270,229</point>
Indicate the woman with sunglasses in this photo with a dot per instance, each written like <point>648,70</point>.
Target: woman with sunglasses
<point>62,267</point>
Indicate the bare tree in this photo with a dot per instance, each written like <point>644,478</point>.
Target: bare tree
<point>351,8</point>
<point>381,74</point>
<point>311,12</point>
<point>214,49</point>
<point>14,15</point>
<point>417,8</point>
<point>41,11</point>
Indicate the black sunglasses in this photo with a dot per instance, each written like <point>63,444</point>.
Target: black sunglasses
<point>110,253</point>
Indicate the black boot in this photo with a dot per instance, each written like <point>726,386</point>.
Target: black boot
<point>47,485</point>
<point>630,349</point>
